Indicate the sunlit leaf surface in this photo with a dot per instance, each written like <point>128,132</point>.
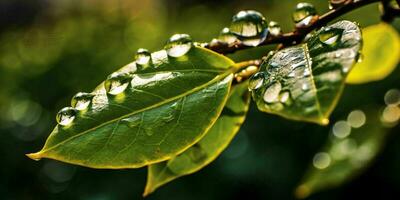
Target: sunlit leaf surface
<point>381,53</point>
<point>208,148</point>
<point>353,144</point>
<point>150,113</point>
<point>304,82</point>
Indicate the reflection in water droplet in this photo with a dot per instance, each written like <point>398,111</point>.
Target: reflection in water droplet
<point>81,100</point>
<point>66,115</point>
<point>117,83</point>
<point>274,28</point>
<point>305,86</point>
<point>256,80</point>
<point>330,36</point>
<point>392,97</point>
<point>304,14</point>
<point>321,160</point>
<point>271,94</point>
<point>178,45</point>
<point>143,57</point>
<point>360,57</point>
<point>226,36</point>
<point>341,129</point>
<point>250,27</point>
<point>356,118</point>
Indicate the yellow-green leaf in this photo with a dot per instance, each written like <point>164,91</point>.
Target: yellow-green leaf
<point>208,148</point>
<point>165,109</point>
<point>304,82</point>
<point>381,54</point>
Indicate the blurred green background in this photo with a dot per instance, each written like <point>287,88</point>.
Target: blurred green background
<point>51,49</point>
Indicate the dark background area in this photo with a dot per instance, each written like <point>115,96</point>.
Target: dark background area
<point>51,49</point>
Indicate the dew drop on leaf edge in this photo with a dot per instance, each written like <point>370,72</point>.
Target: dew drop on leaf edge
<point>81,100</point>
<point>143,57</point>
<point>116,83</point>
<point>256,81</point>
<point>178,45</point>
<point>330,36</point>
<point>66,115</point>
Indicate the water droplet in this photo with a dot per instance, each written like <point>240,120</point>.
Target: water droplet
<point>256,80</point>
<point>285,98</point>
<point>117,83</point>
<point>304,15</point>
<point>333,4</point>
<point>250,27</point>
<point>356,118</point>
<point>66,115</point>
<point>226,36</point>
<point>330,36</point>
<point>178,45</point>
<point>341,129</point>
<point>392,97</point>
<point>274,28</point>
<point>271,94</point>
<point>81,100</point>
<point>321,160</point>
<point>143,57</point>
<point>305,86</point>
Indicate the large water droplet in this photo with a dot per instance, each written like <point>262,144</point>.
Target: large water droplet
<point>81,100</point>
<point>250,27</point>
<point>274,28</point>
<point>226,36</point>
<point>330,36</point>
<point>66,115</point>
<point>143,57</point>
<point>178,45</point>
<point>256,80</point>
<point>271,94</point>
<point>304,15</point>
<point>117,83</point>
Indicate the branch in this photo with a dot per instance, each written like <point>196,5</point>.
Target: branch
<point>298,34</point>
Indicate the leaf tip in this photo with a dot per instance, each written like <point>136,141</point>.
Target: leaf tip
<point>34,156</point>
<point>302,191</point>
<point>148,190</point>
<point>325,121</point>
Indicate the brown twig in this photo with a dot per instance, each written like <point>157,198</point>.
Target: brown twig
<point>298,34</point>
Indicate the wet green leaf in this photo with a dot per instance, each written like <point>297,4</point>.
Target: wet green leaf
<point>148,115</point>
<point>381,53</point>
<point>353,144</point>
<point>208,148</point>
<point>304,82</point>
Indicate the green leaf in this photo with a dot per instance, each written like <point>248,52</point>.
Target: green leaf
<point>381,53</point>
<point>165,109</point>
<point>304,82</point>
<point>208,148</point>
<point>352,146</point>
